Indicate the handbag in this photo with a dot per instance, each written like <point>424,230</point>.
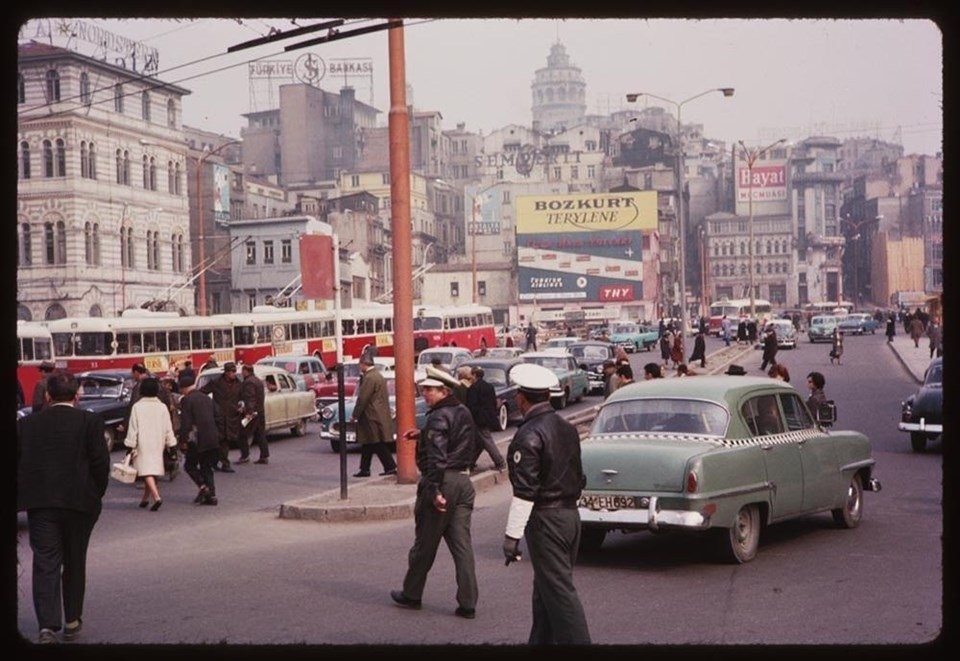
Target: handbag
<point>122,471</point>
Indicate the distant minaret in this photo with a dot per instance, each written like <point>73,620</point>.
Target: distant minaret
<point>559,92</point>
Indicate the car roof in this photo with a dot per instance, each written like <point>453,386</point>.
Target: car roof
<point>717,388</point>
<point>491,362</point>
<point>591,343</point>
<point>546,354</point>
<point>445,350</point>
<point>288,356</point>
<point>259,369</point>
<point>111,374</point>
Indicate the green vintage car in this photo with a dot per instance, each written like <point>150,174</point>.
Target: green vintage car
<point>633,337</point>
<point>719,454</point>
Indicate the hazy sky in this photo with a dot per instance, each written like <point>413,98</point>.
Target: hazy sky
<point>793,77</point>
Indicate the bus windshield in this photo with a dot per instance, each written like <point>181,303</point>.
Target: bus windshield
<point>427,323</point>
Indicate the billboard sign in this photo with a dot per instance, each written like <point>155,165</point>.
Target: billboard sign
<point>585,247</point>
<point>765,187</point>
<point>221,193</point>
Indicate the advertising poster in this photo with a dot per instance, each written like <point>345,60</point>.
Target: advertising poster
<point>221,192</point>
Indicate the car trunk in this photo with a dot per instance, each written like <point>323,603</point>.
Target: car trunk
<point>664,469</point>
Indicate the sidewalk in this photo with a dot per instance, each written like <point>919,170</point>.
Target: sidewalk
<point>915,359</point>
<point>380,499</point>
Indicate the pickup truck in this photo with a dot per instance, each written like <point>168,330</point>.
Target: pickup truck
<point>633,337</point>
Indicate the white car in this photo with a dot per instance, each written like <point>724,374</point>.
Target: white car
<point>786,333</point>
<point>449,357</point>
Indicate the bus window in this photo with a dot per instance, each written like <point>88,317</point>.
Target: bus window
<point>26,348</point>
<point>93,344</point>
<point>183,338</point>
<point>243,335</point>
<point>173,340</point>
<point>348,327</point>
<point>161,340</point>
<point>63,344</point>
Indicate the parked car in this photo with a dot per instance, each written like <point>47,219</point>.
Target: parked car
<point>590,356</point>
<point>496,372</point>
<point>718,454</point>
<point>821,328</point>
<point>503,352</point>
<point>560,342</point>
<point>786,333</point>
<point>858,323</point>
<point>308,371</point>
<point>287,407</point>
<point>633,337</point>
<point>326,392</point>
<point>574,383</point>
<point>330,417</point>
<point>107,392</point>
<point>922,413</point>
<point>450,359</point>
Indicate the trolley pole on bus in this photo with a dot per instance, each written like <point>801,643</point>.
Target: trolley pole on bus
<point>399,122</point>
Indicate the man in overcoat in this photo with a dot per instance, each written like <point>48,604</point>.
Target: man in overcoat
<point>62,470</point>
<point>199,438</point>
<point>482,402</point>
<point>226,395</point>
<point>372,416</point>
<point>253,396</point>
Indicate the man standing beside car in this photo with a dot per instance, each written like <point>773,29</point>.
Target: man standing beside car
<point>547,477</point>
<point>253,396</point>
<point>371,414</point>
<point>482,402</point>
<point>226,395</point>
<point>199,438</point>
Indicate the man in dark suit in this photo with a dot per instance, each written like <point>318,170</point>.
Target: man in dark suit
<point>199,439</point>
<point>226,395</point>
<point>482,402</point>
<point>254,413</point>
<point>62,471</point>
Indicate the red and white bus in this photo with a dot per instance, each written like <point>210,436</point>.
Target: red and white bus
<point>736,309</point>
<point>34,346</point>
<point>467,326</point>
<point>158,340</point>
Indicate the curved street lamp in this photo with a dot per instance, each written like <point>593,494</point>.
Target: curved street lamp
<point>751,156</point>
<point>681,225</point>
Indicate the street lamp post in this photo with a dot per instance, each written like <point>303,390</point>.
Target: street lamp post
<point>201,239</point>
<point>681,225</point>
<point>751,157</point>
<point>857,224</point>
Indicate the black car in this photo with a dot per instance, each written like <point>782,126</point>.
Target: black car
<point>922,412</point>
<point>591,355</point>
<point>107,392</point>
<point>496,372</point>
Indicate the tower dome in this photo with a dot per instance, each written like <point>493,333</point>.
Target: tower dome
<point>559,92</point>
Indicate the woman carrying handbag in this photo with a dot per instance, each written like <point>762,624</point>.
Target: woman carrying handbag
<point>149,433</point>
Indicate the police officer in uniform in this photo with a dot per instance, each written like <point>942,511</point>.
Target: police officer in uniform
<point>547,477</point>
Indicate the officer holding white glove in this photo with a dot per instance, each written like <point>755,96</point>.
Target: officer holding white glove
<point>547,477</point>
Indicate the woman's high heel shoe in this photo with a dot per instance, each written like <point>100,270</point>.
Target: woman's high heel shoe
<point>144,503</point>
<point>156,505</point>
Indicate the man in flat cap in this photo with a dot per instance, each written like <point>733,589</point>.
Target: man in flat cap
<point>371,413</point>
<point>547,477</point>
<point>40,389</point>
<point>445,495</point>
<point>226,395</point>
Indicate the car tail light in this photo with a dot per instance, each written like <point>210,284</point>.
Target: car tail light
<point>692,482</point>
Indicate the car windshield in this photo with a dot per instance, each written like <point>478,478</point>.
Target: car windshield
<point>91,387</point>
<point>549,362</point>
<point>934,375</point>
<point>680,416</point>
<point>823,321</point>
<point>623,329</point>
<point>427,358</point>
<point>495,376</point>
<point>590,352</point>
<point>501,352</point>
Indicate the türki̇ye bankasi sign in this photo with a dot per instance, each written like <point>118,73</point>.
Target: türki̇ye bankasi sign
<point>585,248</point>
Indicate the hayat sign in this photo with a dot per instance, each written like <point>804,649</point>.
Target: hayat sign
<point>766,183</point>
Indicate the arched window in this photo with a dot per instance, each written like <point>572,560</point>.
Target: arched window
<point>171,113</point>
<point>95,311</point>
<point>153,174</point>
<point>145,105</point>
<point>156,250</point>
<point>170,184</point>
<point>149,250</point>
<point>743,248</point>
<point>716,250</point>
<point>146,173</point>
<point>119,166</point>
<point>53,86</point>
<point>743,269</point>
<point>118,98</point>
<point>88,243</point>
<point>85,89</point>
<point>130,262</point>
<point>723,249</point>
<point>92,157</point>
<point>180,264</point>
<point>178,190</point>
<point>55,311</point>
<point>61,252</point>
<point>769,248</point>
<point>769,268</point>
<point>84,160</point>
<point>23,313</point>
<point>758,268</point>
<point>49,244</point>
<point>60,162</point>
<point>26,245</point>
<point>723,269</point>
<point>126,167</point>
<point>716,269</point>
<point>25,159</point>
<point>21,89</point>
<point>47,158</point>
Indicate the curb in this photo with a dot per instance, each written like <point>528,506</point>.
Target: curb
<point>906,365</point>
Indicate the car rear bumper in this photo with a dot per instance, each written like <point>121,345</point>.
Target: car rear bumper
<point>922,425</point>
<point>651,517</point>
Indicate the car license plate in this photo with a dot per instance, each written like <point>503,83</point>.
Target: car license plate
<point>351,437</point>
<point>607,502</point>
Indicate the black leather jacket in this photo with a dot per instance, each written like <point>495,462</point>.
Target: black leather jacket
<point>544,459</point>
<point>447,441</point>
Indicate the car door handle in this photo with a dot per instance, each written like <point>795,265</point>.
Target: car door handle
<point>609,472</point>
<point>766,447</point>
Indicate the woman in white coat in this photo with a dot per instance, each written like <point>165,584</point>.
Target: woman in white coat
<point>150,431</point>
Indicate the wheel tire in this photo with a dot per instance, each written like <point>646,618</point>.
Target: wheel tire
<point>918,441</point>
<point>110,438</point>
<point>850,514</point>
<point>335,446</point>
<point>739,543</point>
<point>591,539</point>
<point>300,428</point>
<point>503,417</point>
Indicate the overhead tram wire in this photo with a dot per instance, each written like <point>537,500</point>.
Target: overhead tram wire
<point>285,35</point>
<point>335,36</point>
<point>159,84</point>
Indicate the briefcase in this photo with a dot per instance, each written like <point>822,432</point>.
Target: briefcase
<point>122,471</point>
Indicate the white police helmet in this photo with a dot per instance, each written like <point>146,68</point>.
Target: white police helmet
<point>432,383</point>
<point>534,378</point>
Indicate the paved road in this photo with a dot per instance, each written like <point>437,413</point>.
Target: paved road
<point>239,574</point>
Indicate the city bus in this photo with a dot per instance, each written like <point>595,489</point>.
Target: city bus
<point>34,346</point>
<point>736,309</point>
<point>467,326</point>
<point>158,340</point>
